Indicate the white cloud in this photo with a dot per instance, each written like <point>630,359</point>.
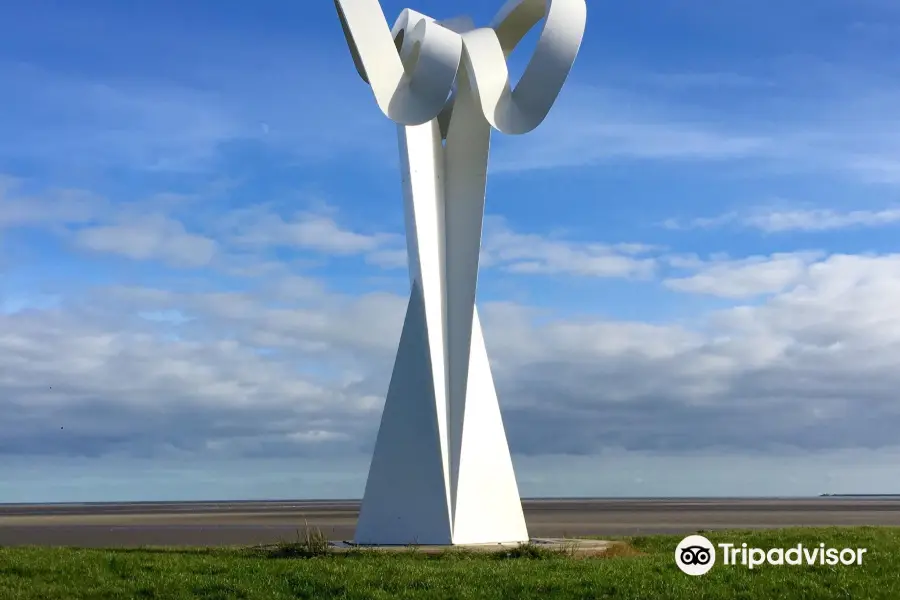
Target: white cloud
<point>771,220</point>
<point>297,287</point>
<point>388,259</point>
<point>536,254</point>
<point>743,278</point>
<point>154,237</point>
<point>309,230</point>
<point>21,207</point>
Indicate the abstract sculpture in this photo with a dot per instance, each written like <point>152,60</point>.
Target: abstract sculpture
<point>441,472</point>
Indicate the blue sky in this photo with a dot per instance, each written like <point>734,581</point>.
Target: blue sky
<point>689,278</point>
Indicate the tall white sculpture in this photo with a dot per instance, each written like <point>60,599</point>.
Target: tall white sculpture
<point>441,472</point>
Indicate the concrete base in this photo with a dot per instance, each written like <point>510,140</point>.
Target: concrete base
<point>566,545</point>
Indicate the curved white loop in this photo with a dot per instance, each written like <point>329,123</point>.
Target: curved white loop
<point>408,98</point>
<point>414,86</point>
<point>522,109</point>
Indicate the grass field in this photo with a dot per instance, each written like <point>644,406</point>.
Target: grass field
<point>642,567</point>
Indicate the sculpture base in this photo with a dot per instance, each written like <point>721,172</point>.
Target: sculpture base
<point>565,546</point>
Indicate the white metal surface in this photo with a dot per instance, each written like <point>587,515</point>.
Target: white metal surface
<point>441,472</point>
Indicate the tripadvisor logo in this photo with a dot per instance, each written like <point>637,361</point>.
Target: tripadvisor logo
<point>696,555</point>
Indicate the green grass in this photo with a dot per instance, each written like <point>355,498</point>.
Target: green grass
<point>642,568</point>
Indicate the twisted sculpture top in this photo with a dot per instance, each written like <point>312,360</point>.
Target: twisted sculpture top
<point>416,69</point>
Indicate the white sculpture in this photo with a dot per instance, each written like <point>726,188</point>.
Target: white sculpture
<point>441,472</point>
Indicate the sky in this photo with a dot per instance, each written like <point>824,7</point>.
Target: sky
<point>690,271</point>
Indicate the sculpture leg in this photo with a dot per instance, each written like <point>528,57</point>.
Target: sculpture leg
<point>442,472</point>
<point>407,497</point>
<point>405,500</point>
<point>485,502</point>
